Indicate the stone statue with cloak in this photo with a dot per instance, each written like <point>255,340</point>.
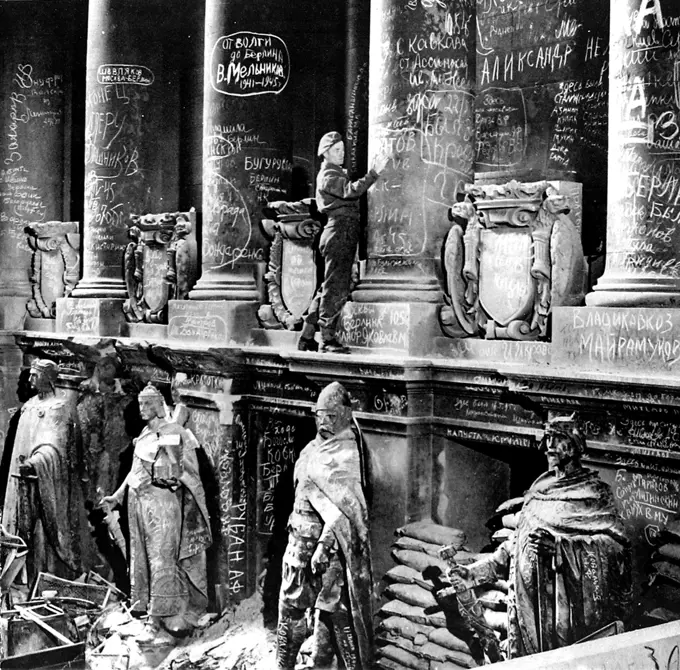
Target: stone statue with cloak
<point>569,562</point>
<point>327,563</point>
<point>44,498</point>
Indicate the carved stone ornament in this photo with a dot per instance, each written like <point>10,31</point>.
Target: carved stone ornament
<point>54,266</point>
<point>511,255</point>
<point>160,263</point>
<point>292,271</point>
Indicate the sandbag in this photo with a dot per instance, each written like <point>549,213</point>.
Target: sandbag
<point>668,570</point>
<point>445,638</point>
<point>496,620</point>
<point>427,531</point>
<point>510,506</point>
<point>501,585</point>
<point>670,551</point>
<point>396,625</point>
<point>444,665</point>
<point>388,664</point>
<point>412,613</point>
<point>402,656</point>
<point>417,560</point>
<point>492,598</point>
<point>466,557</point>
<point>434,652</point>
<point>406,542</point>
<point>402,574</point>
<point>383,639</point>
<point>411,594</point>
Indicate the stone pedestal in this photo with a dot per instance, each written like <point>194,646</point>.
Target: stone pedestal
<point>643,211</point>
<point>211,321</point>
<point>642,341</point>
<point>390,328</point>
<point>247,141</point>
<point>90,316</point>
<point>131,134</point>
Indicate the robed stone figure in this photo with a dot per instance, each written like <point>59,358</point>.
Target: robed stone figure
<point>169,524</point>
<point>327,565</point>
<point>570,560</point>
<point>44,498</point>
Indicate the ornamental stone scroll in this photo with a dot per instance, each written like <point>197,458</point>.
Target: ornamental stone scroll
<point>160,263</point>
<point>55,264</point>
<point>511,256</point>
<point>292,276</point>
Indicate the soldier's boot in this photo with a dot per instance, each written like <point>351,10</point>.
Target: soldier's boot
<point>322,649</point>
<point>290,634</point>
<point>345,641</point>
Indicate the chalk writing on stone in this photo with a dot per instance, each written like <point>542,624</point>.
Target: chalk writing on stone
<point>245,63</point>
<point>125,74</point>
<point>276,455</point>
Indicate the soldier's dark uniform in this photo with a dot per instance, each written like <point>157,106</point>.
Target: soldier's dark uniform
<point>338,197</point>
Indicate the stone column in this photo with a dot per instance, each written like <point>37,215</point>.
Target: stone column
<point>246,154</point>
<point>131,139</point>
<point>35,89</point>
<point>643,235</point>
<point>356,85</point>
<point>421,112</point>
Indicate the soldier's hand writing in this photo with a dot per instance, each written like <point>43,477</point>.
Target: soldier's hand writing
<point>320,560</point>
<point>542,542</point>
<point>380,162</point>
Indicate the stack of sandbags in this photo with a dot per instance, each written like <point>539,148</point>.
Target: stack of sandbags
<point>504,522</point>
<point>412,629</point>
<point>661,601</point>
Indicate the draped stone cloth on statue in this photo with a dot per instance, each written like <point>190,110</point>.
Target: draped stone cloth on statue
<point>329,473</point>
<point>169,528</point>
<point>594,580</point>
<point>47,509</point>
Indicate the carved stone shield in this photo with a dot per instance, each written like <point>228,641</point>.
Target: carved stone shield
<point>155,268</point>
<point>506,288</point>
<point>298,275</point>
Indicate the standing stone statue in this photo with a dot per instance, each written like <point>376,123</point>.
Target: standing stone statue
<point>569,561</point>
<point>43,502</point>
<point>25,391</point>
<point>327,566</point>
<point>169,524</point>
<point>103,402</point>
<point>337,197</point>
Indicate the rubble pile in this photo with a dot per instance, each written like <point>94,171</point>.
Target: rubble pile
<point>661,600</point>
<point>238,640</point>
<point>412,631</point>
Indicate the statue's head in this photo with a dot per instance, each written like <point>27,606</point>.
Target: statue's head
<point>182,226</point>
<point>151,403</point>
<point>563,443</point>
<point>43,375</point>
<point>332,148</point>
<point>333,410</point>
<point>107,369</point>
